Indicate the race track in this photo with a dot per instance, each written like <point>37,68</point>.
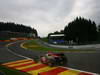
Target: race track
<point>83,61</point>
<point>6,55</point>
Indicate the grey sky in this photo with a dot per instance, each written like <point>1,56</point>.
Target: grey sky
<point>48,15</point>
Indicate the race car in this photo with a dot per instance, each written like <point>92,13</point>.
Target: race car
<point>54,59</point>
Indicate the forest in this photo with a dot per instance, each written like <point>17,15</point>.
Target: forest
<point>80,30</point>
<point>10,29</point>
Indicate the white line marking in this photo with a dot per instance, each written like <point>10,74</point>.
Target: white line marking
<point>14,52</point>
<point>80,70</point>
<point>30,58</point>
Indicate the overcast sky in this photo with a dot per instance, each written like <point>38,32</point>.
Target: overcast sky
<point>48,15</point>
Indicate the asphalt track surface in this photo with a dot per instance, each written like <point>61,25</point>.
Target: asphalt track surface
<point>83,61</point>
<point>5,55</point>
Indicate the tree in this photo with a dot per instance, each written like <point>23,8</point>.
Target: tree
<point>9,26</point>
<point>98,27</point>
<point>17,28</point>
<point>81,30</point>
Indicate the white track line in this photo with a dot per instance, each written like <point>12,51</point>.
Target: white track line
<point>80,70</point>
<point>30,58</point>
<point>14,52</point>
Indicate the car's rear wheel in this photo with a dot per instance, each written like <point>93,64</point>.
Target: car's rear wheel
<point>51,62</point>
<point>64,60</point>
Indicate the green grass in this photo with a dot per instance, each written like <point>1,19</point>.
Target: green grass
<point>3,38</point>
<point>33,45</point>
<point>44,39</point>
<point>8,71</point>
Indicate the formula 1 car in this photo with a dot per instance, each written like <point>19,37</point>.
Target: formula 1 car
<point>54,59</point>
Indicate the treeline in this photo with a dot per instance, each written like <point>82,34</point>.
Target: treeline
<point>80,30</point>
<point>13,27</point>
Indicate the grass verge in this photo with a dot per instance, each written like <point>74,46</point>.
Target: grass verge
<point>8,71</point>
<point>33,45</point>
<point>44,39</point>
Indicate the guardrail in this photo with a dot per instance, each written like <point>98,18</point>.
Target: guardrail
<point>91,46</point>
